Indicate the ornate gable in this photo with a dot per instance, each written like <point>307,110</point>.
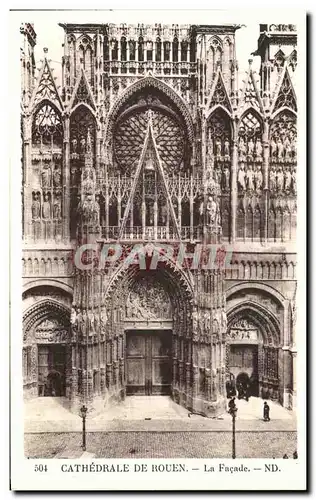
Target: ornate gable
<point>46,88</point>
<point>82,92</point>
<point>219,94</point>
<point>285,94</point>
<point>250,96</point>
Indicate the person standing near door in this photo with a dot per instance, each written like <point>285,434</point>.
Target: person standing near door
<point>266,412</point>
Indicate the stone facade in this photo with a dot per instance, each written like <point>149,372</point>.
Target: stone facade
<point>150,140</point>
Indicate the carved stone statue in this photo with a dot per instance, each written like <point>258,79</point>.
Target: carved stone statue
<point>57,208</point>
<point>280,179</point>
<point>249,177</point>
<point>103,320</point>
<point>287,148</point>
<point>272,180</point>
<point>251,147</point>
<point>225,179</point>
<point>74,146</point>
<point>242,149</point>
<point>73,316</point>
<point>288,180</point>
<point>258,178</point>
<point>226,149</point>
<point>273,148</point>
<point>258,149</point>
<point>36,207</point>
<point>82,145</point>
<point>211,211</point>
<point>241,178</point>
<point>57,177</point>
<point>218,146</point>
<point>46,177</point>
<point>224,321</point>
<point>280,149</point>
<point>46,209</point>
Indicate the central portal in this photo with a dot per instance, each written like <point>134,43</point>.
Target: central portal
<point>148,362</point>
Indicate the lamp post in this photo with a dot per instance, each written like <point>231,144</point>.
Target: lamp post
<point>233,411</point>
<point>83,415</point>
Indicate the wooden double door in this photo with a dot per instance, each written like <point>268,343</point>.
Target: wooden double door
<point>51,370</point>
<point>148,362</point>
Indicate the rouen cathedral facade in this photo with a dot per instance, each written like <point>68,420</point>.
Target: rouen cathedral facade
<point>152,138</point>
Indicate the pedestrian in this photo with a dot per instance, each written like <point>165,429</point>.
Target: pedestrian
<point>295,455</point>
<point>285,456</point>
<point>266,412</point>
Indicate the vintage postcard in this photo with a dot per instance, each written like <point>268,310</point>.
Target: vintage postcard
<point>158,334</point>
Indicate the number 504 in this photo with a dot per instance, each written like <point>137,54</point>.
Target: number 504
<point>40,468</point>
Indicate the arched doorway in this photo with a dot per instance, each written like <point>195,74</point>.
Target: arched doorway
<point>252,354</point>
<point>46,351</point>
<point>150,313</point>
<point>148,331</point>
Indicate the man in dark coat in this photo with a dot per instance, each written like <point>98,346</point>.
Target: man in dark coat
<point>266,412</point>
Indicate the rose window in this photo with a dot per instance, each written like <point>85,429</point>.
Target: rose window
<point>129,137</point>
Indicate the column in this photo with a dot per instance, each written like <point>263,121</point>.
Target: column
<point>66,180</point>
<point>265,167</point>
<point>234,193</point>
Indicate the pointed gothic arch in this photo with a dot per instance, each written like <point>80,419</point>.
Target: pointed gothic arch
<point>141,85</point>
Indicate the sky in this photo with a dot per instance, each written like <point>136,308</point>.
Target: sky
<point>50,35</point>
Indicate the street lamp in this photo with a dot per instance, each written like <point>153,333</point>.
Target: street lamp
<point>83,415</point>
<point>233,411</point>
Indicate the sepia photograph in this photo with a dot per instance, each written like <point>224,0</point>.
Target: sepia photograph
<point>159,248</point>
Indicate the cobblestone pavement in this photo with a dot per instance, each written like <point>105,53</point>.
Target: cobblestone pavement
<point>162,444</point>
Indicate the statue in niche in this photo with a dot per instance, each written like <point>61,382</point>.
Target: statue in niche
<point>249,178</point>
<point>280,148</point>
<point>288,180</point>
<point>207,321</point>
<point>241,178</point>
<point>287,148</point>
<point>211,211</point>
<point>272,180</point>
<point>259,149</point>
<point>73,317</point>
<point>46,177</point>
<point>91,320</point>
<point>258,178</point>
<point>218,146</point>
<point>46,209</point>
<point>273,148</point>
<point>196,319</point>
<point>103,319</point>
<point>225,179</point>
<point>82,145</point>
<point>74,146</point>
<point>242,149</point>
<point>57,177</point>
<point>79,319</point>
<point>251,147</point>
<point>57,207</point>
<point>226,149</point>
<point>36,206</point>
<point>84,322</point>
<point>280,179</point>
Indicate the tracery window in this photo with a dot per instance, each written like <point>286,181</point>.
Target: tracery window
<point>130,133</point>
<point>175,46</point>
<point>166,51</point>
<point>158,50</point>
<point>47,128</point>
<point>123,49</point>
